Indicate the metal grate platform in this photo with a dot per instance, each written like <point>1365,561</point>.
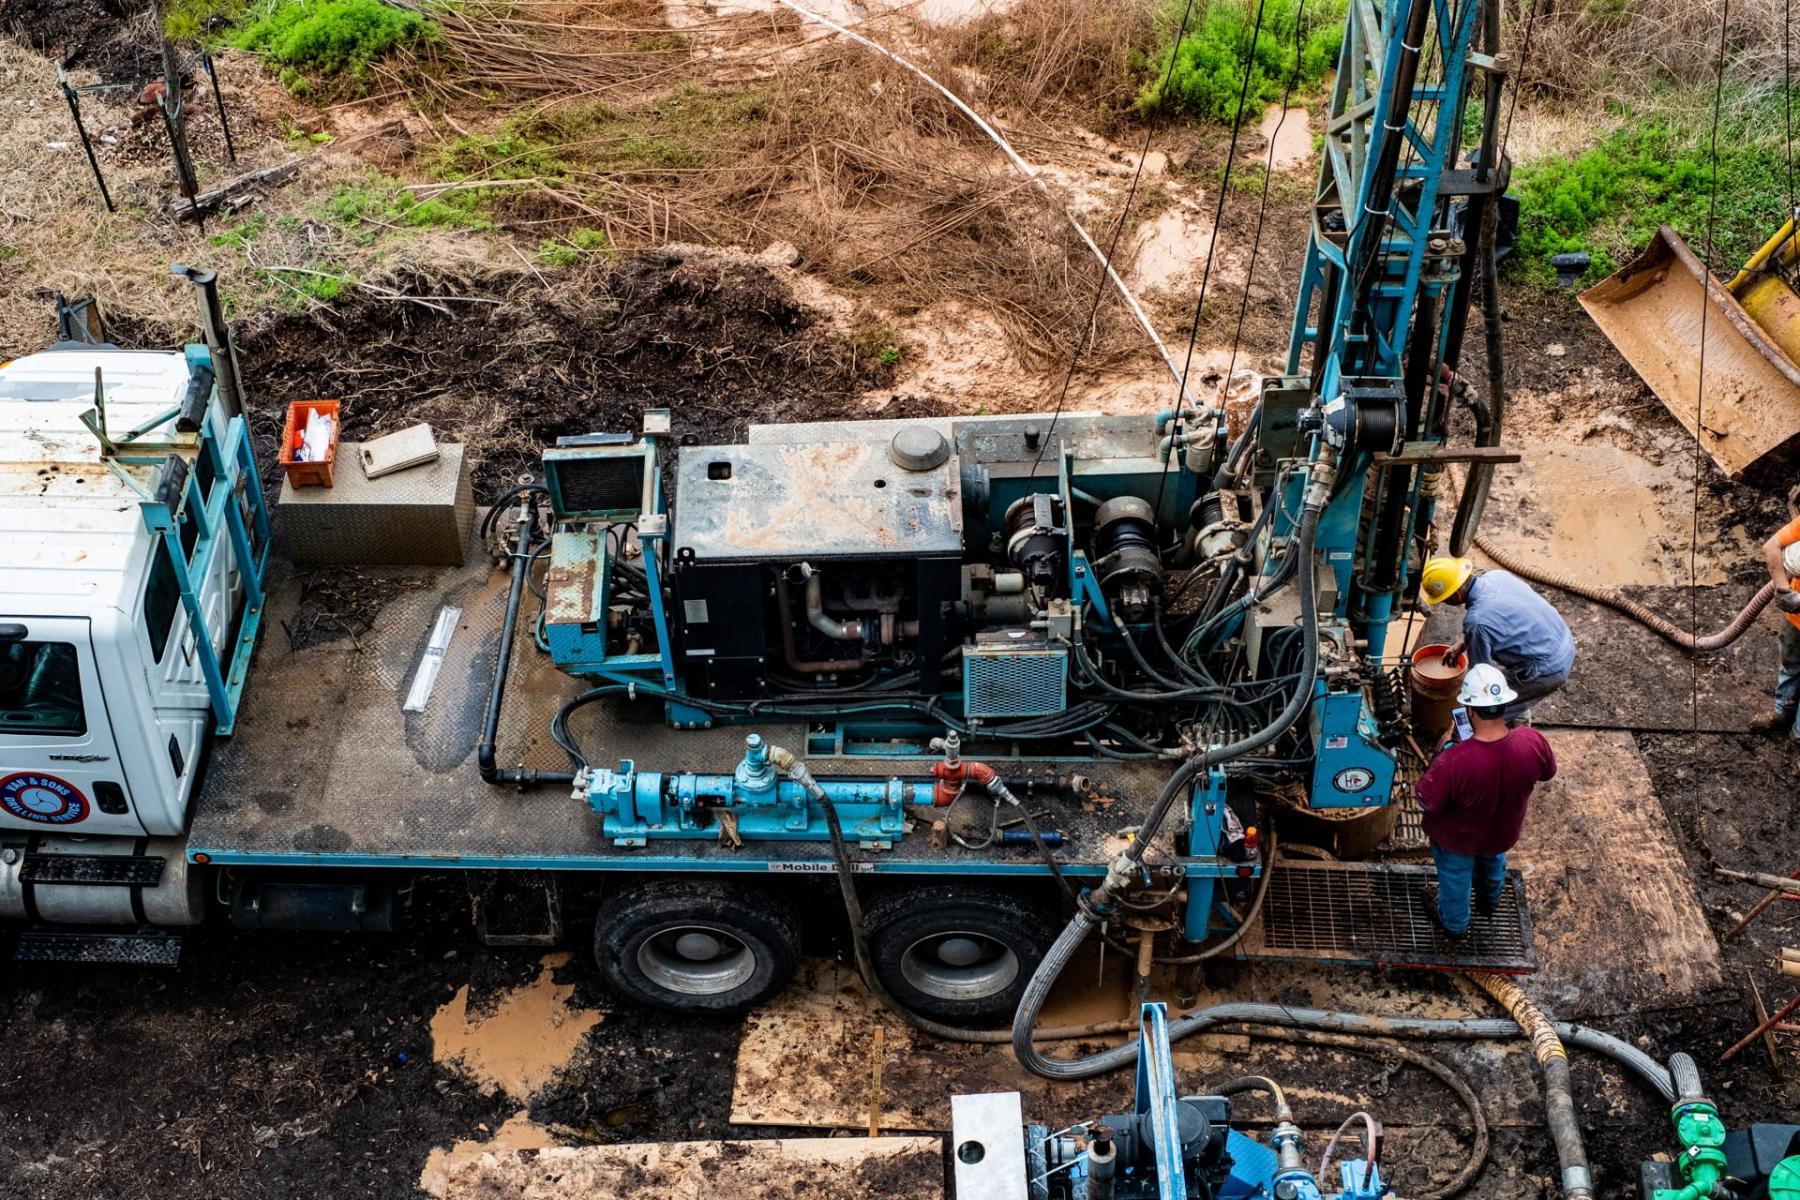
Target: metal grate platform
<point>1408,836</point>
<point>1378,913</point>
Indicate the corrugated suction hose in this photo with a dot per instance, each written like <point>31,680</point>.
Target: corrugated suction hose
<point>1559,1094</point>
<point>1619,602</point>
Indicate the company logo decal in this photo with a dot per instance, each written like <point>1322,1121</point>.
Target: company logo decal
<point>42,799</point>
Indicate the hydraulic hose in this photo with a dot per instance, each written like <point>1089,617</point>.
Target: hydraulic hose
<point>1257,1083</point>
<point>1559,1094</point>
<point>490,729</point>
<point>1478,1151</point>
<point>1481,475</point>
<point>1124,869</point>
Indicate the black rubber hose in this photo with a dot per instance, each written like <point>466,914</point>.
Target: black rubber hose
<point>490,729</point>
<point>1473,501</point>
<point>1088,913</point>
<point>853,909</point>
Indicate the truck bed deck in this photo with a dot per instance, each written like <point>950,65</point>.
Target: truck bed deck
<point>327,770</point>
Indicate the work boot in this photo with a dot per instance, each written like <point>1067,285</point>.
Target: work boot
<point>1431,907</point>
<point>1778,720</point>
<point>1487,906</point>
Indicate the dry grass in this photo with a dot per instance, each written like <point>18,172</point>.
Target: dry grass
<point>278,254</point>
<point>884,188</point>
<point>1584,52</point>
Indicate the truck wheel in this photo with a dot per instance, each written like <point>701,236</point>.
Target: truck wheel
<point>956,953</point>
<point>701,946</point>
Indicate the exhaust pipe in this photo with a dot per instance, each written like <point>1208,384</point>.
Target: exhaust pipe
<point>217,334</point>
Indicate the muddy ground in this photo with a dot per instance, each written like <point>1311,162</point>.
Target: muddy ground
<point>302,1067</point>
<point>284,1066</point>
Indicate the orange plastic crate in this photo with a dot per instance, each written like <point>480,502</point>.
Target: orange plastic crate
<point>305,474</point>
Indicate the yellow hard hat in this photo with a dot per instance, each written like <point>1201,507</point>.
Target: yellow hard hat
<point>1442,577</point>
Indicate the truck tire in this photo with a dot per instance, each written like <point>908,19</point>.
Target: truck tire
<point>696,945</point>
<point>957,953</point>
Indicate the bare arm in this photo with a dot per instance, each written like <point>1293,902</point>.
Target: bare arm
<point>1777,569</point>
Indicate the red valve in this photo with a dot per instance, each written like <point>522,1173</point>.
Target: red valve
<point>952,776</point>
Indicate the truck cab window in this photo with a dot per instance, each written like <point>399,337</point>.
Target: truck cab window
<point>162,597</point>
<point>40,689</point>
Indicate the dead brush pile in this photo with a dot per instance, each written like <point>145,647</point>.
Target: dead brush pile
<point>1627,51</point>
<point>885,190</point>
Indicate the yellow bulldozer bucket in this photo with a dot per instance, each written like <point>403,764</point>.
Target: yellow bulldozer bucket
<point>1654,310</point>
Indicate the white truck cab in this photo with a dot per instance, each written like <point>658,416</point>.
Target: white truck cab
<point>132,538</point>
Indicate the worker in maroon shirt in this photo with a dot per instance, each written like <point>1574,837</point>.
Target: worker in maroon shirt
<point>1474,798</point>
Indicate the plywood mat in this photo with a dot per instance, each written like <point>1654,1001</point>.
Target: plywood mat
<point>912,1167</point>
<point>1619,927</point>
<point>808,1060</point>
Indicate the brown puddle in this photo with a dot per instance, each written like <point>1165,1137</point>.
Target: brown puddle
<point>523,1042</point>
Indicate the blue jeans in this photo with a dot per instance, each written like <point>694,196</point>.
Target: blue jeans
<point>1534,689</point>
<point>1787,683</point>
<point>1458,877</point>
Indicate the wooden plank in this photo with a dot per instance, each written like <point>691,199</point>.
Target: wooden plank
<point>262,177</point>
<point>1618,922</point>
<point>771,1170</point>
<point>1424,454</point>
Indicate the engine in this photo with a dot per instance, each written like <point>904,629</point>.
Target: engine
<point>1107,586</point>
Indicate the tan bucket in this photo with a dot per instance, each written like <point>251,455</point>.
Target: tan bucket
<point>1433,685</point>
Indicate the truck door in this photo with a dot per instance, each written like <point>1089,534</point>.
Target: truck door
<point>59,764</point>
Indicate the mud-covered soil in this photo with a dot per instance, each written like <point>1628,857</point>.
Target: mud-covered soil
<point>299,1067</point>
<point>110,37</point>
<point>507,365</point>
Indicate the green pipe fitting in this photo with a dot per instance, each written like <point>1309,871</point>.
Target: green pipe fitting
<point>1702,1158</point>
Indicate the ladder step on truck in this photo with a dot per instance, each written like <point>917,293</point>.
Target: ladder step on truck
<point>115,949</point>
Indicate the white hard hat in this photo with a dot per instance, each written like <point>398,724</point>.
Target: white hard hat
<point>1485,686</point>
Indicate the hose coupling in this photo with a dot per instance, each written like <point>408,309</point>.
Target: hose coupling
<point>1096,904</point>
<point>1286,1142</point>
<point>795,769</point>
<point>1319,478</point>
<point>1121,873</point>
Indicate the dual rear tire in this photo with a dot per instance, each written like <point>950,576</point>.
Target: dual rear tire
<point>717,946</point>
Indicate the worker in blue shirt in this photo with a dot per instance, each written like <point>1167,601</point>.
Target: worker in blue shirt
<point>1507,624</point>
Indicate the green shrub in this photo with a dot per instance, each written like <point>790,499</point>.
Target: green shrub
<point>315,40</point>
<point>566,252</point>
<point>1609,200</point>
<point>241,233</point>
<point>378,199</point>
<point>185,20</point>
<point>1208,66</point>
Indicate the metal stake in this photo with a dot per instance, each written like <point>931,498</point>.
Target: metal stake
<point>206,63</point>
<point>75,111</point>
<point>184,166</point>
<point>174,120</point>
